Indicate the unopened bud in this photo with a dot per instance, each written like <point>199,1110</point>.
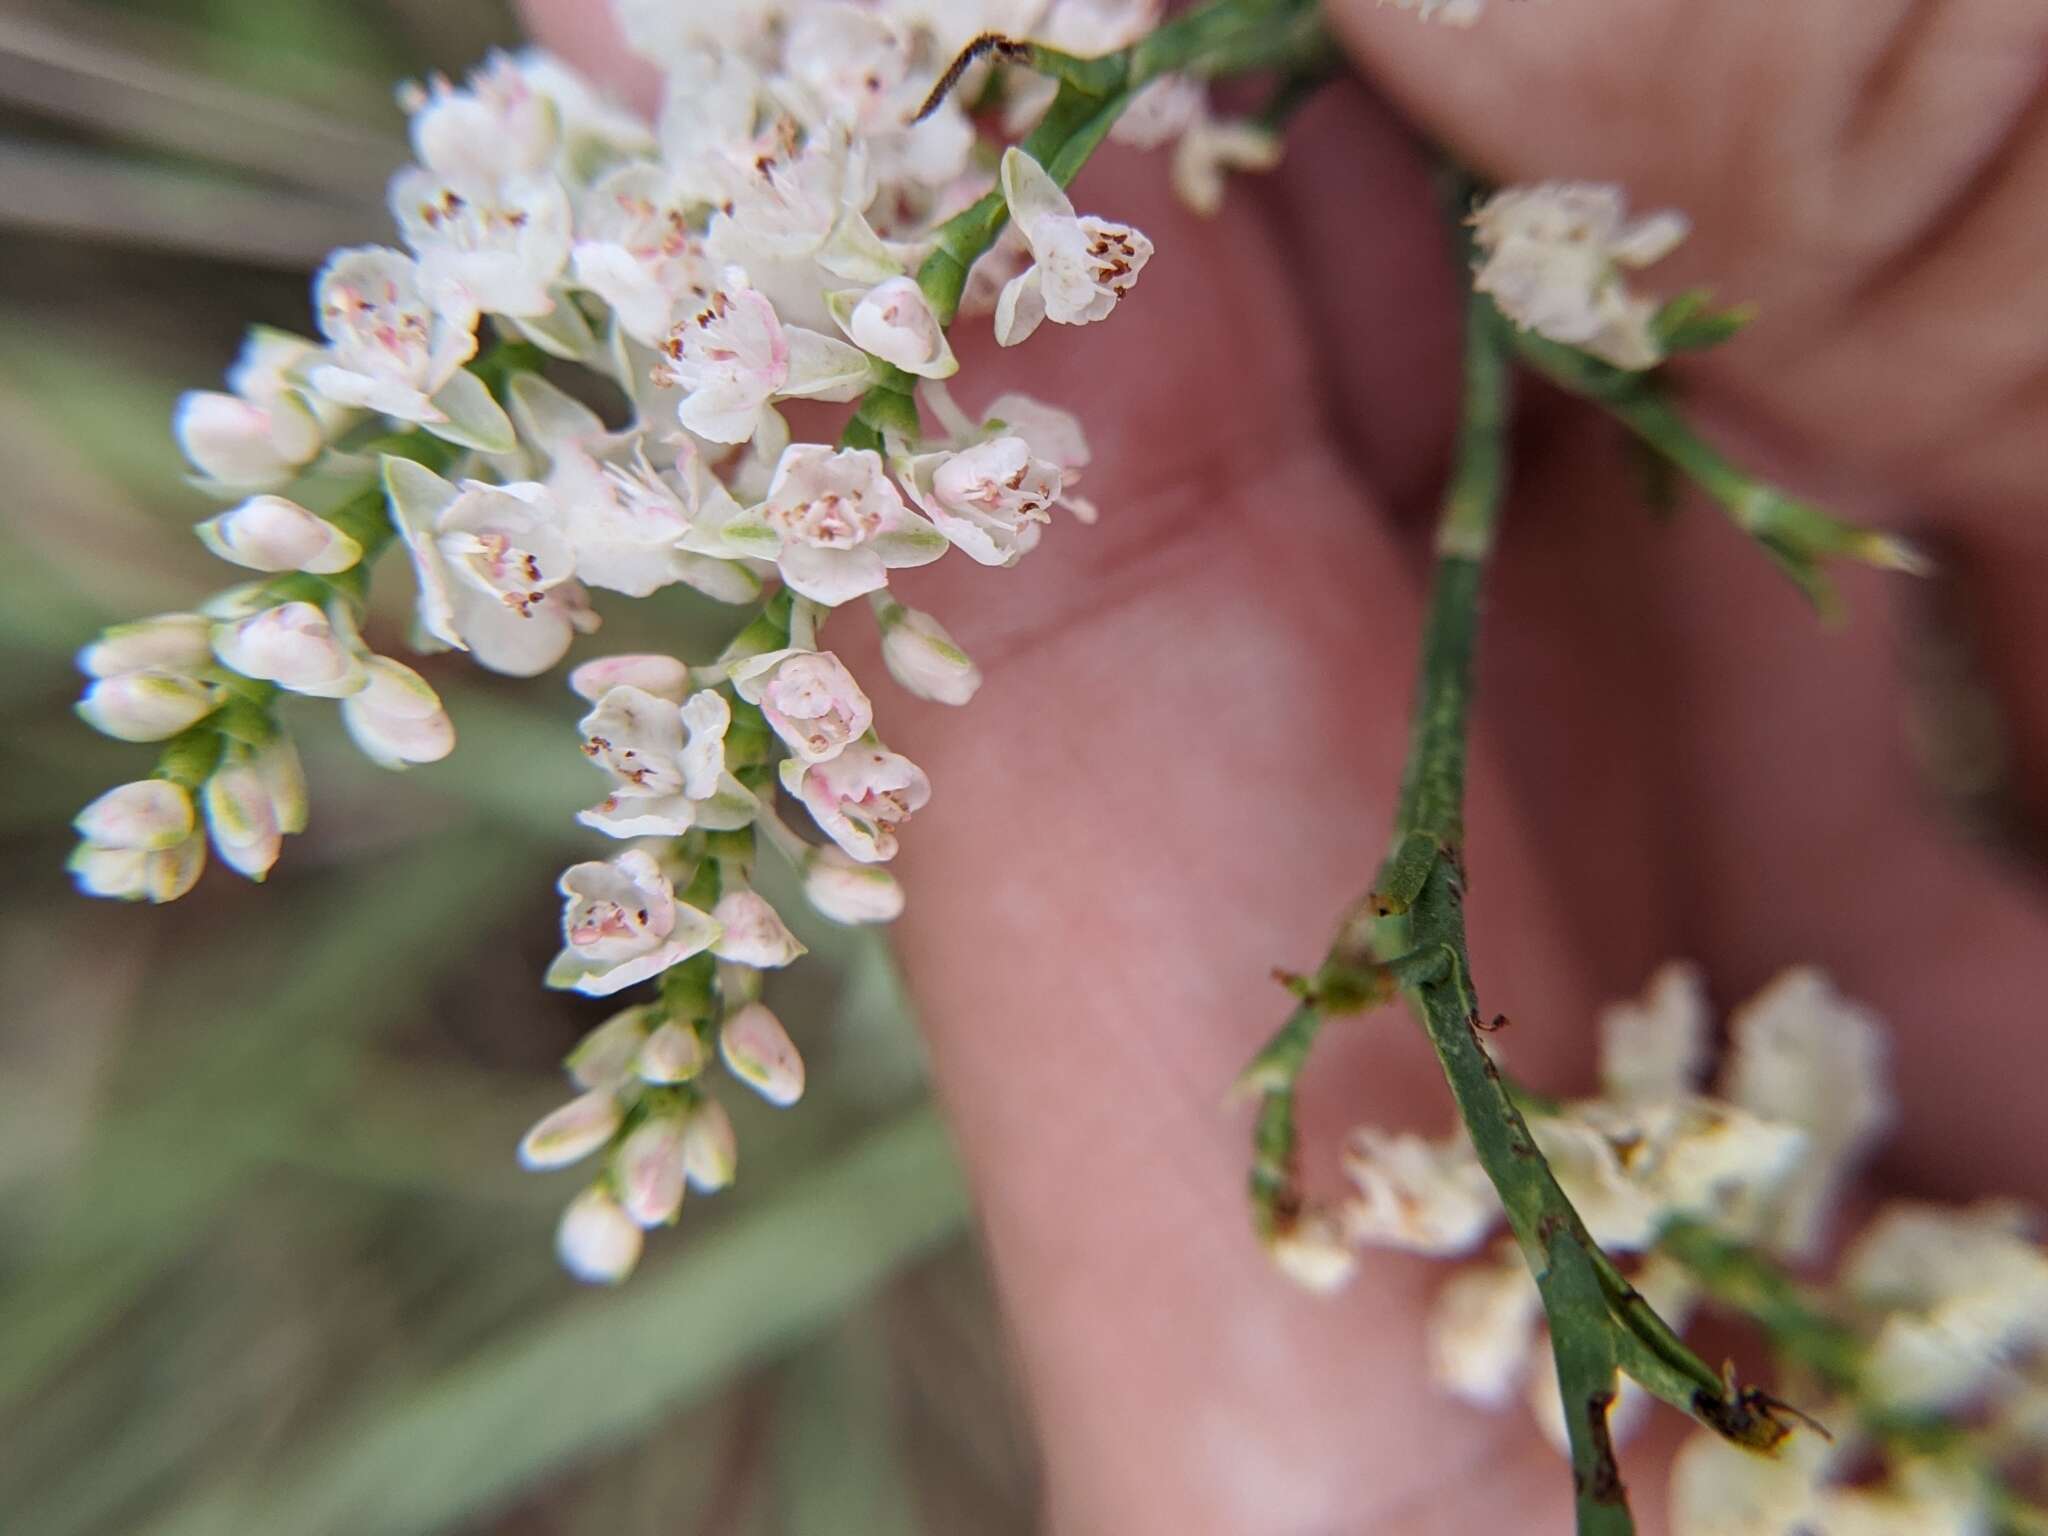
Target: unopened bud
<point>923,657</point>
<point>848,892</point>
<point>145,706</point>
<point>397,718</point>
<point>148,815</point>
<point>294,646</point>
<point>605,1055</point>
<point>759,1052</point>
<point>711,1152</point>
<point>242,817</point>
<point>270,533</point>
<point>648,1169</point>
<point>662,676</point>
<point>1311,1252</point>
<point>574,1131</point>
<point>672,1054</point>
<point>754,934</point>
<point>597,1241</point>
<point>170,642</point>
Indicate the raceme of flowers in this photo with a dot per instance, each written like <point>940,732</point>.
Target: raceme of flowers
<point>757,241</point>
<point>1950,1305</point>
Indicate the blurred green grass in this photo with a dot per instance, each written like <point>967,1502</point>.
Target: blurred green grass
<point>265,1262</point>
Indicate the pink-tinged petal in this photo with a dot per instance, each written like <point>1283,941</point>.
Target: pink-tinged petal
<point>850,892</point>
<point>648,1170</point>
<point>755,934</point>
<point>711,1151</point>
<point>229,440</point>
<point>663,676</point>
<point>833,576</point>
<point>574,1131</point>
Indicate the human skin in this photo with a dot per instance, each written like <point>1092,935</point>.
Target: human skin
<point>1182,765</point>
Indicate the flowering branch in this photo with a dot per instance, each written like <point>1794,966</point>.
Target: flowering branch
<point>1600,1326</point>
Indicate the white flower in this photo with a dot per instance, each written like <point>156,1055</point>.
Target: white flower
<point>138,841</point>
<point>663,676</point>
<point>1656,1049</point>
<point>623,924</point>
<point>850,892</point>
<point>856,63</point>
<point>269,533</point>
<point>597,1241</point>
<point>1314,1252</point>
<point>397,718</point>
<point>1963,1293</point>
<point>784,198</point>
<point>648,1169</point>
<point>1482,1329</point>
<point>809,699</point>
<point>146,704</point>
<point>673,1053</point>
<point>496,125</point>
<point>759,1052</point>
<point>1425,1196</point>
<point>894,321</point>
<point>494,568</point>
<point>635,529</point>
<point>1628,1169</point>
<point>924,658</point>
<point>482,247</point>
<point>990,500</point>
<point>267,429</point>
<point>1212,148</point>
<point>179,643</point>
<point>1804,1056</point>
<point>662,784</point>
<point>1553,255</point>
<point>390,349</point>
<point>711,1153</point>
<point>1080,265</point>
<point>755,934</point>
<point>294,646</point>
<point>860,797</point>
<point>834,524</point>
<point>574,1131</point>
<point>734,355</point>
<point>637,249</point>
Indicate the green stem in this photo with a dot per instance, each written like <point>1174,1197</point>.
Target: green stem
<point>1797,535</point>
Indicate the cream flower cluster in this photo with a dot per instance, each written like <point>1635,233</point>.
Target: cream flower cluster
<point>758,240</point>
<point>1554,256</point>
<point>1949,1305</point>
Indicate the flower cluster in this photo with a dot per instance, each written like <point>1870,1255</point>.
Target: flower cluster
<point>763,238</point>
<point>1948,1308</point>
<point>1553,255</point>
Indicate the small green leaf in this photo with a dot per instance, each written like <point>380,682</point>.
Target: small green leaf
<point>1690,323</point>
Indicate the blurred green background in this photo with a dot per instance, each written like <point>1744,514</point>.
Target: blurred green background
<point>266,1264</point>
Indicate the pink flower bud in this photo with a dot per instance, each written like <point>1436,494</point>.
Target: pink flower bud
<point>809,699</point>
<point>754,934</point>
<point>574,1131</point>
<point>148,815</point>
<point>243,817</point>
<point>269,533</point>
<point>597,1241</point>
<point>145,706</point>
<point>293,646</point>
<point>759,1052</point>
<point>711,1152</point>
<point>648,1168</point>
<point>848,892</point>
<point>923,658</point>
<point>397,718</point>
<point>672,1054</point>
<point>662,676</point>
<point>605,1056</point>
<point>171,642</point>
